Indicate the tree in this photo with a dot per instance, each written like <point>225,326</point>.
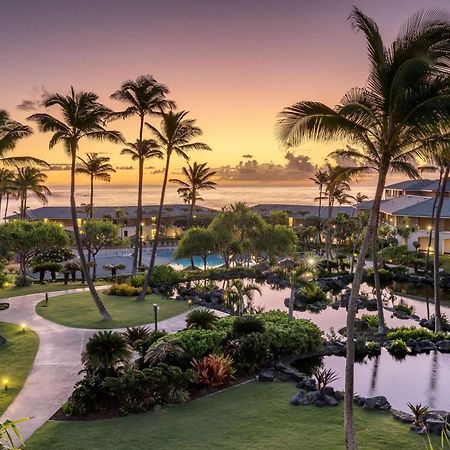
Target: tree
<point>275,240</point>
<point>83,117</point>
<point>30,179</point>
<point>97,234</point>
<point>196,242</point>
<point>143,97</point>
<point>96,167</point>
<point>404,101</point>
<point>278,218</point>
<point>25,240</point>
<point>198,178</point>
<point>320,178</point>
<point>296,278</point>
<point>114,268</point>
<point>6,187</point>
<point>239,294</point>
<point>175,137</point>
<point>50,261</point>
<point>121,216</point>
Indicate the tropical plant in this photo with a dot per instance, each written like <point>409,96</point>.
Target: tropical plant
<point>83,117</point>
<point>8,431</point>
<point>198,178</point>
<point>30,179</point>
<point>123,290</point>
<point>405,101</point>
<point>168,352</point>
<point>240,295</point>
<point>324,377</point>
<point>201,318</point>
<point>419,412</point>
<point>105,351</point>
<point>7,188</point>
<point>114,268</point>
<point>174,138</point>
<point>134,335</point>
<point>143,97</point>
<point>312,292</point>
<point>96,167</point>
<point>320,178</point>
<point>214,370</point>
<point>402,306</point>
<point>398,347</point>
<point>370,319</point>
<point>247,324</point>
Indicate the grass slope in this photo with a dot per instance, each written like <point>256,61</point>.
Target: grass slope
<point>252,416</point>
<point>78,310</point>
<point>16,359</point>
<point>42,288</point>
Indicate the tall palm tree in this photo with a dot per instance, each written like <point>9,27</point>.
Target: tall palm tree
<point>30,179</point>
<point>82,117</point>
<point>239,293</point>
<point>6,186</point>
<point>320,178</point>
<point>404,101</point>
<point>175,137</point>
<point>96,167</point>
<point>143,97</point>
<point>198,178</point>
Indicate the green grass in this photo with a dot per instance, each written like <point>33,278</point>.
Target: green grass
<point>251,416</point>
<point>16,359</point>
<point>42,288</point>
<point>78,310</point>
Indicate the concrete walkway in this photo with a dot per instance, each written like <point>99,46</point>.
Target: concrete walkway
<point>58,361</point>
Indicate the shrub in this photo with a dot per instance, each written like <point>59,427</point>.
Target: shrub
<point>123,289</point>
<point>245,325</point>
<point>201,318</point>
<point>105,350</point>
<point>444,320</point>
<point>402,306</point>
<point>196,342</point>
<point>164,275</point>
<point>372,348</point>
<point>168,352</point>
<point>252,352</point>
<point>398,347</point>
<point>370,319</point>
<point>405,333</point>
<point>419,412</point>
<point>22,281</point>
<point>214,370</point>
<point>312,293</point>
<point>136,335</point>
<point>324,377</point>
<point>137,281</point>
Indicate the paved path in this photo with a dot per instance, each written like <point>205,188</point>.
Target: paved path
<point>58,363</point>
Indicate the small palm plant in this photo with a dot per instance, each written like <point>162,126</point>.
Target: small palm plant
<point>135,334</point>
<point>419,412</point>
<point>105,351</point>
<point>201,318</point>
<point>166,352</point>
<point>324,377</point>
<point>9,429</point>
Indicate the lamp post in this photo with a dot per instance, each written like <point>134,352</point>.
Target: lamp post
<point>140,243</point>
<point>5,384</point>
<point>155,310</point>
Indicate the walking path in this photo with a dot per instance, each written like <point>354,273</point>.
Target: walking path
<point>58,361</point>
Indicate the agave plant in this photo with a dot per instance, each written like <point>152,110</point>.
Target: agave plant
<point>164,352</point>
<point>214,370</point>
<point>135,334</point>
<point>324,377</point>
<point>419,412</point>
<point>9,429</point>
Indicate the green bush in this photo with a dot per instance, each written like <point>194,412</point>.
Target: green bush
<point>137,281</point>
<point>405,333</point>
<point>22,281</point>
<point>370,319</point>
<point>252,352</point>
<point>197,343</point>
<point>164,275</point>
<point>312,293</point>
<point>123,290</point>
<point>402,306</point>
<point>372,348</point>
<point>248,324</point>
<point>201,318</point>
<point>398,347</point>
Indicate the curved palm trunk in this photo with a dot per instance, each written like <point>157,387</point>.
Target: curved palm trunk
<point>319,215</point>
<point>436,278</point>
<point>141,296</point>
<point>137,234</point>
<point>350,437</point>
<point>328,245</point>
<point>191,214</point>
<point>76,233</point>
<point>1,200</point>
<point>91,209</point>
<point>376,276</point>
<point>291,302</point>
<point>6,206</point>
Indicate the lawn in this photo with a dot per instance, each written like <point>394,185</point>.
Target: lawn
<point>251,416</point>
<point>16,359</point>
<point>78,310</point>
<point>37,288</point>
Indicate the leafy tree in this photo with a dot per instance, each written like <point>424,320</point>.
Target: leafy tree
<point>275,240</point>
<point>83,117</point>
<point>97,234</point>
<point>96,167</point>
<point>196,242</point>
<point>404,101</point>
<point>278,218</point>
<point>26,240</point>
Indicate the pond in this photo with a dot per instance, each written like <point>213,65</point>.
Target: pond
<point>417,379</point>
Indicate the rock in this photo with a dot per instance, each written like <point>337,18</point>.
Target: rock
<point>2,340</point>
<point>266,375</point>
<point>426,345</point>
<point>297,398</point>
<point>282,376</point>
<point>436,414</point>
<point>290,371</point>
<point>402,315</point>
<point>4,306</point>
<point>339,395</point>
<point>335,348</point>
<point>371,305</point>
<point>312,397</point>
<point>330,400</point>
<point>379,403</point>
<point>443,346</point>
<point>402,416</point>
<point>307,383</point>
<point>419,429</point>
<point>320,403</point>
<point>435,426</point>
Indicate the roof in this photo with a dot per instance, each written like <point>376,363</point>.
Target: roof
<point>417,185</point>
<point>300,211</point>
<point>425,209</point>
<point>63,212</point>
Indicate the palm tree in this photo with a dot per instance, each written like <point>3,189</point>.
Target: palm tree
<point>320,178</point>
<point>121,216</point>
<point>144,97</point>
<point>198,178</point>
<point>404,101</point>
<point>96,167</point>
<point>175,137</point>
<point>83,117</point>
<point>6,186</point>
<point>239,294</point>
<point>30,179</point>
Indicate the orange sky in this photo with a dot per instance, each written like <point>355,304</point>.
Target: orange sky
<point>233,64</point>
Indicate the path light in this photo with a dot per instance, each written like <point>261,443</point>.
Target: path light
<point>5,383</point>
<point>46,299</point>
<point>155,310</point>
<point>190,302</point>
<point>24,327</point>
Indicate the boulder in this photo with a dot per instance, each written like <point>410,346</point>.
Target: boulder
<point>297,398</point>
<point>330,400</point>
<point>4,306</point>
<point>401,416</point>
<point>443,346</point>
<point>435,426</point>
<point>282,376</point>
<point>307,383</point>
<point>426,345</point>
<point>266,375</point>
<point>311,398</point>
<point>290,371</point>
<point>377,403</point>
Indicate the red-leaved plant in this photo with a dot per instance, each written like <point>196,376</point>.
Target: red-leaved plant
<point>214,370</point>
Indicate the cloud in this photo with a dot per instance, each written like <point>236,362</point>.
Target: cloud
<point>57,167</point>
<point>35,101</point>
<point>247,156</point>
<point>124,167</point>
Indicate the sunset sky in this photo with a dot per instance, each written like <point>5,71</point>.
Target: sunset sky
<point>233,64</point>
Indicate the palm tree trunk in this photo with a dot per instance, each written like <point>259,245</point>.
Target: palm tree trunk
<point>328,236</point>
<point>1,200</point>
<point>6,206</point>
<point>76,233</point>
<point>91,210</point>
<point>191,214</point>
<point>291,302</point>
<point>349,426</point>
<point>376,277</point>
<point>436,278</point>
<point>142,294</point>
